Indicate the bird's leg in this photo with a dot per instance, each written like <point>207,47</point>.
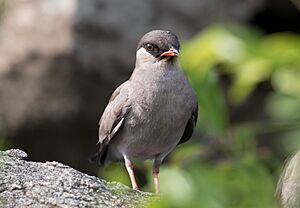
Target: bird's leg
<point>129,167</point>
<point>156,165</point>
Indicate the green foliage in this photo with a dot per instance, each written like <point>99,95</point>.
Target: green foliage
<point>247,55</point>
<point>213,114</point>
<point>227,184</point>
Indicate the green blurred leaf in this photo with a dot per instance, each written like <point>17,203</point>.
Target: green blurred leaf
<point>282,48</point>
<point>250,73</point>
<point>286,81</point>
<point>213,117</point>
<point>283,107</point>
<point>290,141</point>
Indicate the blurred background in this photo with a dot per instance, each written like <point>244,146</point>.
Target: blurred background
<point>60,60</point>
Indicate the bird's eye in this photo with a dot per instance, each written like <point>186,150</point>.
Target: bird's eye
<point>149,47</point>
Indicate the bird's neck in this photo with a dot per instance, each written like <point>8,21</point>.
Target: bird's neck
<point>154,71</point>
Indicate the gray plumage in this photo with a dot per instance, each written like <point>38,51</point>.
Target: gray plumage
<point>152,112</point>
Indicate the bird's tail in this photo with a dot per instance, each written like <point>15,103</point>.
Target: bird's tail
<point>100,157</point>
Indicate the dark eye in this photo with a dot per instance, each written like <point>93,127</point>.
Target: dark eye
<point>149,47</point>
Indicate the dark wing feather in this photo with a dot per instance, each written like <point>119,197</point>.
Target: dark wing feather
<point>114,114</point>
<point>190,126</point>
<point>112,120</point>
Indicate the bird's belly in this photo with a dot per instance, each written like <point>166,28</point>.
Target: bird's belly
<point>154,131</point>
<point>150,142</point>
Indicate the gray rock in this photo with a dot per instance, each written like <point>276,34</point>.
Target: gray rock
<point>52,184</point>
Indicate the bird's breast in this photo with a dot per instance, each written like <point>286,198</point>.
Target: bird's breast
<point>159,114</point>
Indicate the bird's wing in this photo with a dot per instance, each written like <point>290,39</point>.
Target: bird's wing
<point>190,126</point>
<point>111,121</point>
<point>114,114</point>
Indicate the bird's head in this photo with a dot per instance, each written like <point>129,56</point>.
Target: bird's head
<point>158,46</point>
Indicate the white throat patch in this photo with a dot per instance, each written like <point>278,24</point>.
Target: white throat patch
<point>144,57</point>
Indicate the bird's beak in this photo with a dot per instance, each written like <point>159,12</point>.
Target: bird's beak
<point>171,52</point>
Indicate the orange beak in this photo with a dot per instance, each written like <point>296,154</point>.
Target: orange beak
<point>171,52</point>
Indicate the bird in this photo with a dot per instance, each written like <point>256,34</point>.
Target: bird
<point>152,112</point>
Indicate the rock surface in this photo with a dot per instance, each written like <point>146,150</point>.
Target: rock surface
<point>52,184</point>
<point>288,187</point>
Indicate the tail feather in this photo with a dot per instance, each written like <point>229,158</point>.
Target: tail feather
<point>100,157</point>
